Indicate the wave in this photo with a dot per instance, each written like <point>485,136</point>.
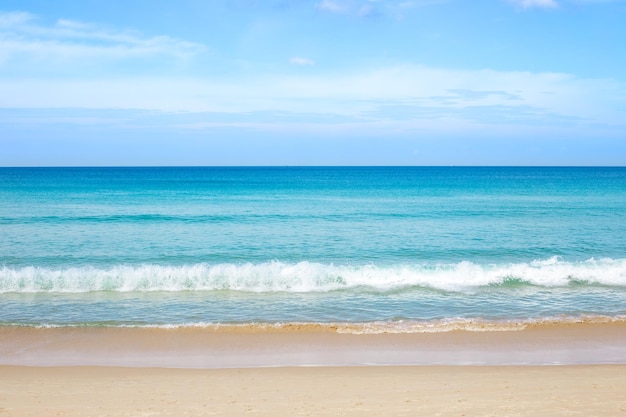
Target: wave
<point>305,276</point>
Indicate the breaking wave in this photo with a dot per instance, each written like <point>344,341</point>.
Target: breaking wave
<point>306,276</point>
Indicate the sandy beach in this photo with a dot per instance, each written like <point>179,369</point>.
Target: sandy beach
<point>312,371</point>
<point>318,391</point>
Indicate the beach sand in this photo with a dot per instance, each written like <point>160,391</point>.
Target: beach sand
<point>312,371</point>
<point>315,391</point>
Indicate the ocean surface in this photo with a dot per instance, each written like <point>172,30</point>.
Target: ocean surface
<point>394,249</point>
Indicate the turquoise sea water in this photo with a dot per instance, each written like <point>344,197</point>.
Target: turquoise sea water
<point>392,246</point>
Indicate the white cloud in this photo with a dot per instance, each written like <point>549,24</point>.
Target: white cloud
<point>361,8</point>
<point>527,4</point>
<point>396,96</point>
<point>330,6</point>
<point>552,4</point>
<point>24,39</point>
<point>296,60</point>
<point>367,8</point>
<point>596,1</point>
<point>335,6</point>
<point>8,19</point>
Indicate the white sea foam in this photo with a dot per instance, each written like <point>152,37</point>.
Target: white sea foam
<point>310,277</point>
<point>376,327</point>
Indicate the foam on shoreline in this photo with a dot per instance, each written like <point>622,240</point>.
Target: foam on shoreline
<point>376,327</point>
<point>584,342</point>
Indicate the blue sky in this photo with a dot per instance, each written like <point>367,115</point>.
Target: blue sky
<point>322,82</point>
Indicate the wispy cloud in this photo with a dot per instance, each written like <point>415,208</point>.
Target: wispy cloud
<point>371,8</point>
<point>528,4</point>
<point>9,19</point>
<point>296,60</point>
<point>24,38</point>
<point>332,6</point>
<point>351,7</point>
<point>553,4</point>
<point>401,96</point>
<point>595,1</point>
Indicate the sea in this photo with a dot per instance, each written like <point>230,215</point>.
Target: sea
<point>364,249</point>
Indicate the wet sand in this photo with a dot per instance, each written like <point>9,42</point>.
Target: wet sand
<point>310,345</point>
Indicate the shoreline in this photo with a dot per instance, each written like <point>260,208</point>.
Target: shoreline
<point>587,343</point>
<point>349,391</point>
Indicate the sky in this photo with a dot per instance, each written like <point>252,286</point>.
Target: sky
<point>321,82</point>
